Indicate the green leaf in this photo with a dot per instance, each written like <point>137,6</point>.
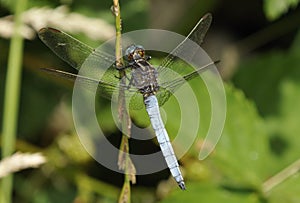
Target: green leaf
<point>207,192</point>
<point>284,138</point>
<point>272,80</point>
<point>260,76</point>
<point>275,8</point>
<point>276,92</point>
<point>242,152</point>
<point>288,191</point>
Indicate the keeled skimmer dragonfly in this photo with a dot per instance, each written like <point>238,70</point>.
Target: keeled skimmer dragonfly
<point>144,77</point>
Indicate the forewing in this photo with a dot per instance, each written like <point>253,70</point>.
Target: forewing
<point>72,50</point>
<point>197,35</point>
<point>170,75</point>
<point>92,63</point>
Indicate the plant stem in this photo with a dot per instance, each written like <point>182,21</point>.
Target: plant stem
<point>11,98</point>
<point>124,161</point>
<point>281,176</point>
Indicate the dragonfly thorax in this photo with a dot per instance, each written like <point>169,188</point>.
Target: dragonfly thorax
<point>143,74</point>
<point>144,77</point>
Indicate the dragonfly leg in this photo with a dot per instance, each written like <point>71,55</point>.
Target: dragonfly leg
<point>148,58</point>
<point>118,77</point>
<point>131,81</point>
<point>121,68</point>
<point>129,65</point>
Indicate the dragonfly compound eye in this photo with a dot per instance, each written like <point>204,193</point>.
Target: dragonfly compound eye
<point>130,57</point>
<point>142,53</point>
<point>130,49</point>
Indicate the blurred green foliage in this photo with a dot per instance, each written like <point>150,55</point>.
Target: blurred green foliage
<point>260,137</point>
<point>275,8</point>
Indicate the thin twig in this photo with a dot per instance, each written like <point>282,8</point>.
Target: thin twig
<point>281,176</point>
<point>20,161</point>
<point>124,161</point>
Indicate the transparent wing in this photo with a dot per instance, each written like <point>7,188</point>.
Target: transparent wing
<point>72,50</point>
<point>170,75</point>
<point>79,55</point>
<point>167,89</point>
<point>104,89</point>
<point>197,35</point>
<point>177,82</point>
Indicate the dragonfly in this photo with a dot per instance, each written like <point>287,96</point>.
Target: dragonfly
<point>154,85</point>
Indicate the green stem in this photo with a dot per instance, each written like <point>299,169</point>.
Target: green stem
<point>11,98</point>
<point>124,160</point>
<point>281,177</point>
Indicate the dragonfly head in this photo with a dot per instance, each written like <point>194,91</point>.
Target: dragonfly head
<point>135,52</point>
